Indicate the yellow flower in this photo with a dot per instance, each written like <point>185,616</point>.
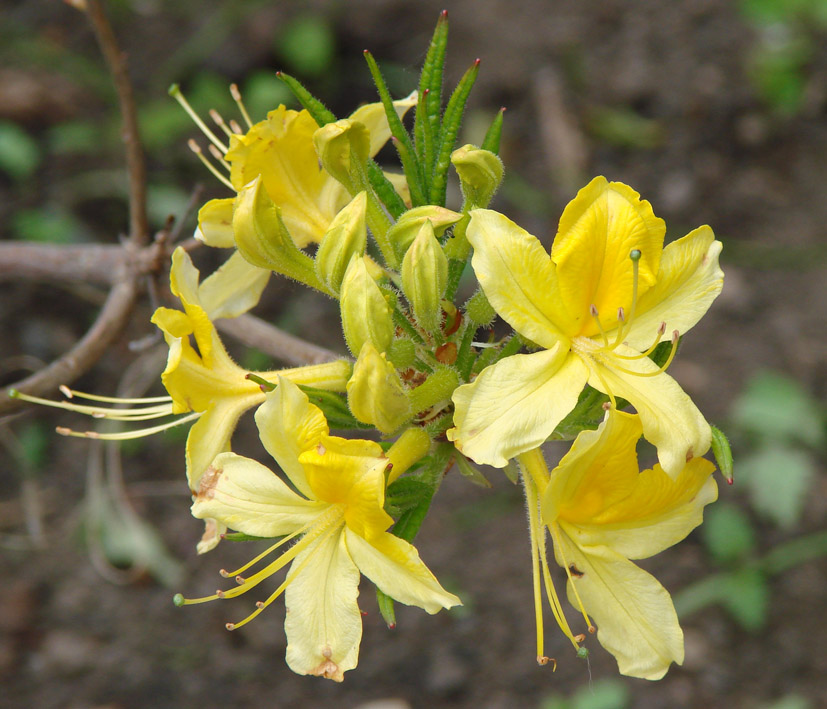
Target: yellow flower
<point>203,378</point>
<point>338,520</point>
<point>281,152</point>
<point>601,512</point>
<point>607,295</point>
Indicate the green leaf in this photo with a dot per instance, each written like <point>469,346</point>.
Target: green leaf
<point>334,408</point>
<point>775,406</point>
<point>602,694</point>
<point>747,598</point>
<point>429,106</point>
<point>492,137</point>
<point>320,113</point>
<point>386,608</point>
<point>723,453</point>
<point>779,479</point>
<point>727,533</point>
<point>385,191</point>
<point>19,152</point>
<point>47,225</point>
<point>263,92</point>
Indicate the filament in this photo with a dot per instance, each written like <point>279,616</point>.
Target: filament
<point>236,94</point>
<point>127,435</point>
<point>219,121</point>
<point>593,312</point>
<point>175,92</point>
<point>72,393</point>
<point>216,153</point>
<point>559,547</point>
<point>197,150</point>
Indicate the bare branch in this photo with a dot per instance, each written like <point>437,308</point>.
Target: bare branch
<point>116,60</point>
<point>255,332</point>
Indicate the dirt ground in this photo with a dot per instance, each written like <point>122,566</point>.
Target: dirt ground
<point>705,149</point>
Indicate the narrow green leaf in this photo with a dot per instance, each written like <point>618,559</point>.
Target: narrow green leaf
<point>385,190</point>
<point>747,598</point>
<point>465,359</point>
<point>492,136</point>
<point>428,108</point>
<point>320,113</point>
<point>403,143</point>
<point>723,453</point>
<point>448,134</point>
<point>386,608</point>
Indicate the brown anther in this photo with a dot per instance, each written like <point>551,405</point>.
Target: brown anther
<point>235,127</point>
<point>593,310</point>
<point>259,604</point>
<point>240,580</point>
<point>219,593</point>
<point>543,660</point>
<point>447,353</point>
<point>580,638</point>
<point>234,92</point>
<point>662,328</point>
<point>606,405</point>
<point>621,314</point>
<point>194,146</point>
<point>66,391</point>
<point>592,630</point>
<point>215,152</point>
<point>320,449</point>
<point>216,116</point>
<point>224,572</point>
<point>229,626</point>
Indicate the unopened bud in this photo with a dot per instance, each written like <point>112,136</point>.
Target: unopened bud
<point>347,236</point>
<point>480,174</point>
<point>343,148</point>
<point>424,277</point>
<point>402,234</point>
<point>366,315</point>
<point>375,392</point>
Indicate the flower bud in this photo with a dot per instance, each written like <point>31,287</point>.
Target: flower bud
<point>344,149</point>
<point>375,392</point>
<point>264,241</point>
<point>346,237</point>
<point>424,277</point>
<point>366,315</point>
<point>480,174</point>
<point>402,234</point>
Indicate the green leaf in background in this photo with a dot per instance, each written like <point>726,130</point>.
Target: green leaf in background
<point>263,92</point>
<point>727,533</point>
<point>775,406</point>
<point>791,701</point>
<point>601,694</point>
<point>51,226</point>
<point>747,598</point>
<point>19,152</point>
<point>308,45</point>
<point>778,479</point>
<point>624,128</point>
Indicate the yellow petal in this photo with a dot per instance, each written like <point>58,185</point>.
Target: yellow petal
<point>323,624</point>
<point>598,230</point>
<point>375,393</point>
<point>246,496</point>
<point>233,289</point>
<point>636,621</point>
<point>515,404</point>
<point>518,278</point>
<point>288,425</point>
<point>215,223</point>
<point>395,567</point>
<point>375,119</point>
<point>688,281</point>
<point>670,420</point>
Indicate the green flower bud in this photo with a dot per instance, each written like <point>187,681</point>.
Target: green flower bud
<point>402,353</point>
<point>479,310</point>
<point>424,277</point>
<point>347,236</point>
<point>402,234</point>
<point>344,149</point>
<point>263,239</point>
<point>480,174</point>
<point>366,315</point>
<point>375,392</point>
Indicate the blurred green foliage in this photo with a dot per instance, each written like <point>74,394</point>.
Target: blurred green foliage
<point>610,693</point>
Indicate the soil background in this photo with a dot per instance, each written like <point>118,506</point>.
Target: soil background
<point>699,142</point>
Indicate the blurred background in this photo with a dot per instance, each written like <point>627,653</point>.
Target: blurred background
<point>714,110</point>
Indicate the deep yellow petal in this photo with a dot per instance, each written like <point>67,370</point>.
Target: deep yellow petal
<point>635,618</point>
<point>518,278</point>
<point>670,420</point>
<point>323,623</point>
<point>597,231</point>
<point>288,425</point>
<point>688,281</point>
<point>395,567</point>
<point>515,404</point>
<point>246,496</point>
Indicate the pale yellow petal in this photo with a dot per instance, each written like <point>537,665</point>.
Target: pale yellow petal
<point>515,404</point>
<point>671,421</point>
<point>688,281</point>
<point>215,223</point>
<point>373,116</point>
<point>233,289</point>
<point>395,567</point>
<point>246,496</point>
<point>635,618</point>
<point>518,278</point>
<point>288,425</point>
<point>210,435</point>
<point>598,230</point>
<point>323,623</point>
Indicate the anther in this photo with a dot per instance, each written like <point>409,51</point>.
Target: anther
<point>66,391</point>
<point>592,630</point>
<point>580,638</point>
<point>224,572</point>
<point>219,593</point>
<point>229,626</point>
<point>320,449</point>
<point>621,314</point>
<point>219,121</point>
<point>236,128</point>
<point>259,604</point>
<point>240,580</point>
<point>236,94</point>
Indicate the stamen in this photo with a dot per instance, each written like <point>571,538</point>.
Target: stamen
<point>71,393</point>
<point>127,435</point>
<point>237,129</point>
<point>593,312</point>
<point>216,153</point>
<point>559,547</point>
<point>197,150</point>
<point>659,370</point>
<point>139,414</point>
<point>219,121</point>
<point>267,552</point>
<point>650,349</point>
<point>236,94</point>
<point>175,92</point>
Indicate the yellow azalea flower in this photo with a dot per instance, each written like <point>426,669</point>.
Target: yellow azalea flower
<point>601,512</point>
<point>338,521</point>
<point>597,306</point>
<point>281,152</point>
<point>203,378</point>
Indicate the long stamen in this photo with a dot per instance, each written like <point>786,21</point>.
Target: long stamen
<point>216,153</point>
<point>237,129</point>
<point>175,92</point>
<point>219,121</point>
<point>266,552</point>
<point>236,94</point>
<point>659,370</point>
<point>197,150</point>
<point>650,349</point>
<point>593,312</point>
<point>127,435</point>
<point>139,414</point>
<point>558,545</point>
<point>72,393</point>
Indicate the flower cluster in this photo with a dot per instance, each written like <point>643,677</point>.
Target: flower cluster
<point>596,323</point>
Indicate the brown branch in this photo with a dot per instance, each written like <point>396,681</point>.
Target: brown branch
<point>116,60</point>
<point>292,350</point>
